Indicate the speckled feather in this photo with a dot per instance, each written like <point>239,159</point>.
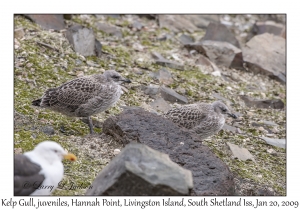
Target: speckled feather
<point>204,119</point>
<point>82,96</point>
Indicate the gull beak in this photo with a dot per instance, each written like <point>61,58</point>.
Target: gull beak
<point>126,80</point>
<point>232,115</point>
<point>70,156</point>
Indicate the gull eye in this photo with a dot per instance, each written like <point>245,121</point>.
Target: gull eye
<point>115,77</point>
<point>55,151</point>
<point>224,109</point>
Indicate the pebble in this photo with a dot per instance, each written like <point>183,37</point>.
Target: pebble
<point>116,151</point>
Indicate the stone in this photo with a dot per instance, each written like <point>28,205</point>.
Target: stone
<point>190,23</point>
<point>186,39</point>
<point>160,60</point>
<point>275,142</point>
<point>19,33</point>
<point>229,128</point>
<point>270,27</point>
<point>171,96</point>
<point>49,130</point>
<point>163,75</point>
<point>265,54</point>
<point>160,104</point>
<point>176,23</point>
<point>137,25</point>
<point>83,41</point>
<point>210,175</point>
<point>270,123</point>
<point>170,64</point>
<point>219,32</point>
<point>117,151</point>
<point>108,29</point>
<point>140,170</point>
<point>262,103</point>
<point>55,22</point>
<point>220,53</point>
<point>151,89</point>
<point>240,153</point>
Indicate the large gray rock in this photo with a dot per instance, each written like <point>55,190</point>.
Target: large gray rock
<point>140,170</point>
<point>266,54</point>
<point>219,32</point>
<point>263,103</point>
<point>221,53</point>
<point>160,104</point>
<point>83,41</point>
<point>108,29</point>
<point>190,23</point>
<point>172,96</point>
<point>211,176</point>
<point>270,27</point>
<point>55,22</point>
<point>163,75</point>
<point>160,60</point>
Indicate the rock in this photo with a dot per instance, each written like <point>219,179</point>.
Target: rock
<point>108,29</point>
<point>229,128</point>
<point>266,27</point>
<point>49,130</point>
<point>170,64</point>
<point>270,123</point>
<point>19,33</point>
<point>176,23</point>
<point>55,22</point>
<point>170,95</point>
<point>83,41</point>
<point>219,97</point>
<point>160,60</point>
<point>266,54</point>
<point>186,39</point>
<point>163,75</point>
<point>220,53</point>
<point>240,153</point>
<point>117,151</point>
<point>160,104</point>
<point>137,25</point>
<point>151,89</point>
<point>275,142</point>
<point>157,56</point>
<point>219,32</point>
<point>211,176</point>
<point>116,16</point>
<point>140,170</point>
<point>263,103</point>
<point>190,23</point>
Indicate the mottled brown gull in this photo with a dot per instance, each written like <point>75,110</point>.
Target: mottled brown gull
<point>84,96</point>
<point>39,171</point>
<point>205,119</point>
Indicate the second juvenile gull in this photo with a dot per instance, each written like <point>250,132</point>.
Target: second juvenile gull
<point>205,119</point>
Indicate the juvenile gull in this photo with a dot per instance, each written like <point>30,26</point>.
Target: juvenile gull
<point>39,171</point>
<point>204,119</point>
<point>84,96</point>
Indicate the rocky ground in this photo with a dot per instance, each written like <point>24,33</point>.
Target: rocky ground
<point>155,53</point>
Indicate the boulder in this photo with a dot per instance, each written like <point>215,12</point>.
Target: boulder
<point>220,53</point>
<point>265,54</point>
<point>263,103</point>
<point>83,41</point>
<point>140,170</point>
<point>55,22</point>
<point>219,32</point>
<point>210,175</point>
